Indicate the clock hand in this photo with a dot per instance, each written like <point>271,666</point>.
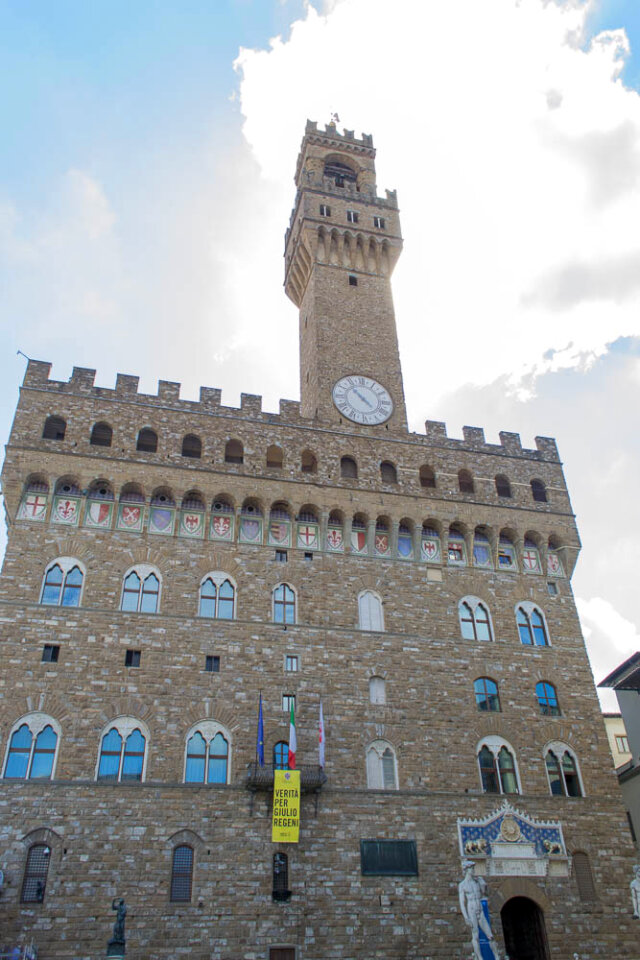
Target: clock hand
<point>361,397</point>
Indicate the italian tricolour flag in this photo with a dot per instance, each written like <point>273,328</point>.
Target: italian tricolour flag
<point>292,740</point>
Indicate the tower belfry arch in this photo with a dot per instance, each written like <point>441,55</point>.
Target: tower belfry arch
<point>341,247</point>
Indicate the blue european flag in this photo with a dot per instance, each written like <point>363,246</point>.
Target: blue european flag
<point>260,742</point>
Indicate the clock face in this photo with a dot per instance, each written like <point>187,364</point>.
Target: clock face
<point>362,400</point>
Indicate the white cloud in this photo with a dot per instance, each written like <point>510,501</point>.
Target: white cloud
<point>610,637</point>
<point>515,153</point>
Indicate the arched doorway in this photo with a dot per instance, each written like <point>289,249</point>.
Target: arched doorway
<point>525,937</point>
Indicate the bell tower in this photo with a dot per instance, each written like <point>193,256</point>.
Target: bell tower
<point>341,247</point>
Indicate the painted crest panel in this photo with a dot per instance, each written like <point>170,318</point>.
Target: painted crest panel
<point>507,557</point>
<point>335,538</point>
<point>191,524</point>
<point>430,550</point>
<point>250,530</point>
<point>456,553</point>
<point>130,517</point>
<point>405,546</point>
<point>307,537</point>
<point>279,533</point>
<point>382,544</point>
<point>99,513</point>
<point>531,560</point>
<point>482,555</point>
<point>65,510</point>
<point>33,507</point>
<point>554,565</point>
<point>161,520</point>
<point>358,541</point>
<point>222,526</point>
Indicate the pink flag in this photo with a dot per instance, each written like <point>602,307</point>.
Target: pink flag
<point>293,745</point>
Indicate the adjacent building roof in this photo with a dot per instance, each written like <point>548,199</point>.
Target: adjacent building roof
<point>626,676</point>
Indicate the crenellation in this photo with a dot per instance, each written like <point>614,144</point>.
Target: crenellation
<point>474,436</point>
<point>210,398</point>
<point>168,391</point>
<point>548,447</point>
<point>126,385</point>
<point>251,403</point>
<point>82,379</point>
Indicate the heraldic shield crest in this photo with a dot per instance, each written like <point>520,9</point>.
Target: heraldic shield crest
<point>222,527</point>
<point>98,514</point>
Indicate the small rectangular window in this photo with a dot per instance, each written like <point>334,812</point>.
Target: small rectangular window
<point>325,211</point>
<point>352,216</point>
<point>291,664</point>
<point>622,744</point>
<point>378,222</point>
<point>50,653</point>
<point>308,556</point>
<point>132,658</point>
<point>288,701</point>
<point>388,858</point>
<point>212,664</point>
<point>552,589</point>
<point>281,556</point>
<point>353,281</point>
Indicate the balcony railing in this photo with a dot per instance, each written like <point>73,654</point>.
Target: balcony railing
<point>312,777</point>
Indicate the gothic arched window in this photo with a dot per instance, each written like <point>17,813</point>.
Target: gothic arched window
<point>217,597</point>
<point>531,625</point>
<point>62,584</point>
<point>284,604</point>
<point>370,615</point>
<point>475,620</point>
<point>547,699</point>
<point>32,749</point>
<point>497,766</point>
<point>382,772</point>
<point>122,751</point>
<point>562,771</point>
<point>207,757</point>
<point>141,590</point>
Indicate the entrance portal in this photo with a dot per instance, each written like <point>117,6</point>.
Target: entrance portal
<point>525,937</point>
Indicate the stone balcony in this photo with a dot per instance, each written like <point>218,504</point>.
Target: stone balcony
<point>312,777</point>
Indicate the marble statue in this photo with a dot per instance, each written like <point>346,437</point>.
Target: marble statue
<point>635,892</point>
<point>471,891</point>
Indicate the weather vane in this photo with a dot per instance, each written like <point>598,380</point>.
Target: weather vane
<point>335,118</point>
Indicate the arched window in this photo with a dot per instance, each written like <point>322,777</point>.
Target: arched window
<point>192,446</point>
<point>465,482</point>
<point>497,765</point>
<point>475,620</point>
<point>538,491</point>
<point>339,171</point>
<point>275,457</point>
<point>281,877</point>
<point>308,462</point>
<point>584,876</point>
<point>141,590</point>
<point>34,882</point>
<point>233,452</point>
<point>348,468</point>
<point>427,477</point>
<point>101,435</point>
<point>486,693</point>
<point>147,441</point>
<point>388,472</point>
<point>217,597</point>
<point>207,755</point>
<point>377,690</point>
<point>382,772</point>
<point>547,699</point>
<point>54,428</point>
<point>531,625</point>
<point>181,874</point>
<point>62,583</point>
<point>281,755</point>
<point>122,751</point>
<point>284,604</point>
<point>562,771</point>
<point>32,749</point>
<point>370,615</point>
<point>503,487</point>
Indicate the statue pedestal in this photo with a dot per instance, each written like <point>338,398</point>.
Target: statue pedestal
<point>115,950</point>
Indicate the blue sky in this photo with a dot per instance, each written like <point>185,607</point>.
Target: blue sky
<point>146,182</point>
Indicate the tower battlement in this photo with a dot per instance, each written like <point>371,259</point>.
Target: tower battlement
<point>81,383</point>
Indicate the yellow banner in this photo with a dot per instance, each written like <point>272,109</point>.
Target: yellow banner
<point>285,827</point>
